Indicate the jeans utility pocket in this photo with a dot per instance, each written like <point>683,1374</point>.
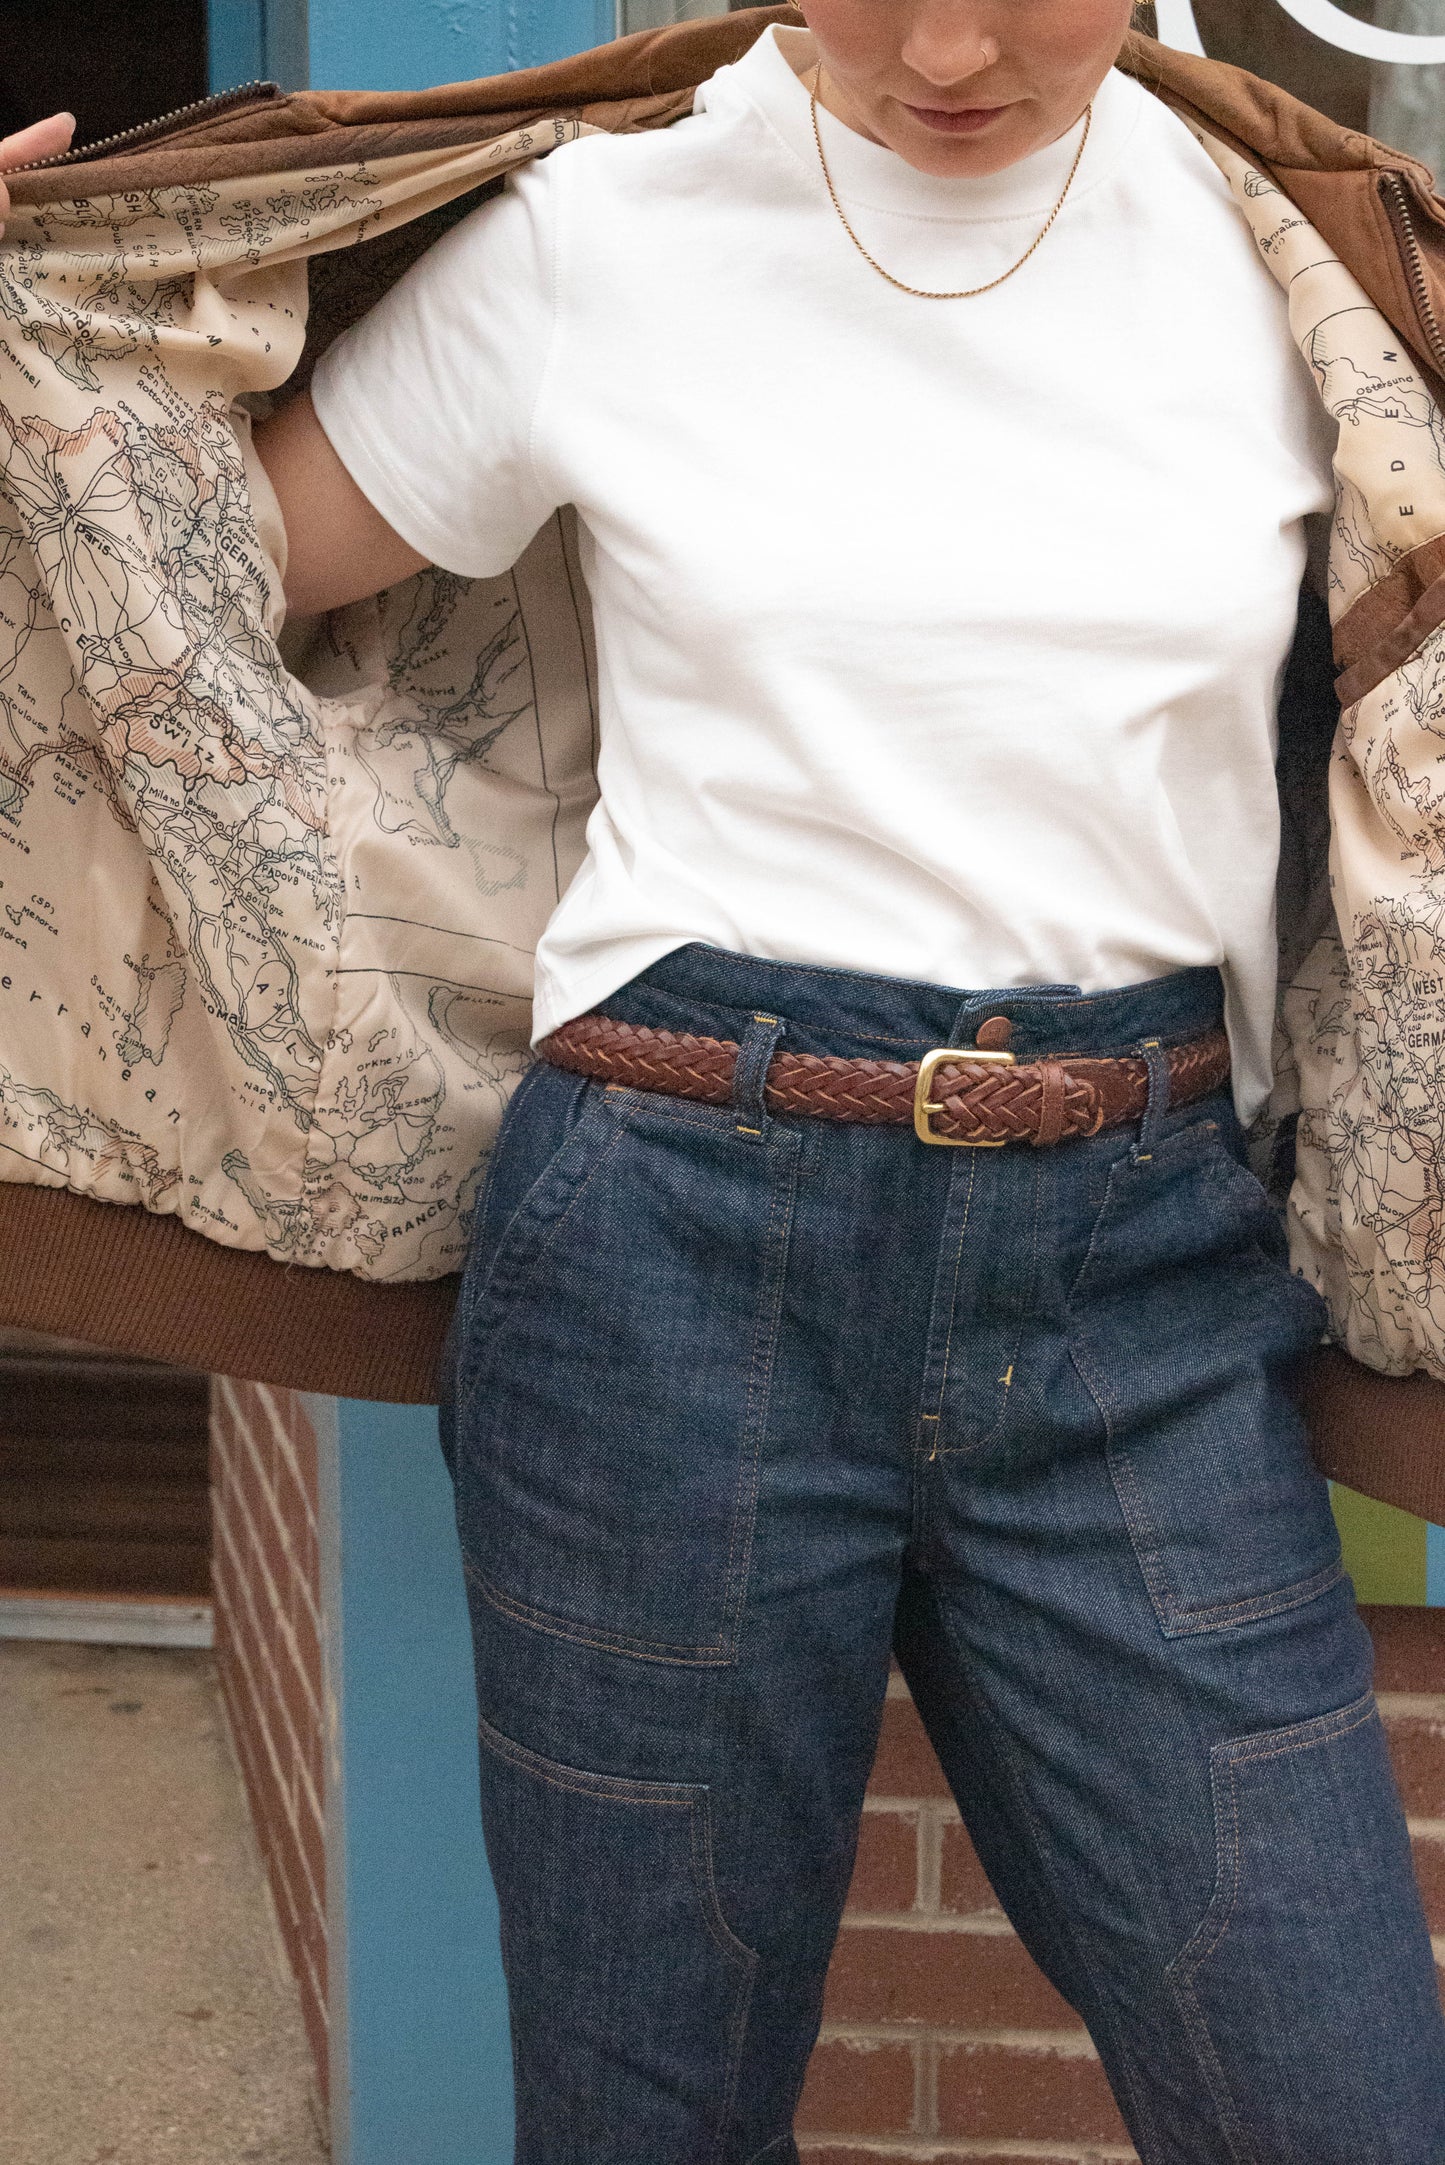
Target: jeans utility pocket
<point>616,1367</point>
<point>1302,1941</point>
<point>557,1837</point>
<point>1189,1330</point>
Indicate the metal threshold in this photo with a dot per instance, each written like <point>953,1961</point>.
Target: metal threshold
<point>108,1620</point>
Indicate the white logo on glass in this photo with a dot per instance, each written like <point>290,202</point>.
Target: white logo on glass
<point>1404,48</point>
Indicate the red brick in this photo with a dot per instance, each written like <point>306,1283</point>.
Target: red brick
<point>305,1928</point>
<point>302,1701</point>
<point>312,1994</point>
<point>999,2091</point>
<point>248,1511</point>
<point>1430,1871</point>
<point>224,1589</point>
<point>294,1505</point>
<point>1417,1747</point>
<point>306,1627</point>
<point>906,1765</point>
<point>311,1836</point>
<point>248,1411</point>
<point>247,1640</point>
<point>242,1700</point>
<point>303,1437</point>
<point>858,2087</point>
<point>271,1793</point>
<point>276,1550</point>
<point>965,1891</point>
<point>242,1720</point>
<point>264,1431</point>
<point>959,1980</point>
<point>1409,1648</point>
<point>268,1656</point>
<point>885,1874</point>
<point>940,2153</point>
<point>223,1437</point>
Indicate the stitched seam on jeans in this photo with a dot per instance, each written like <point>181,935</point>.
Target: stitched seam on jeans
<point>1011,1764</point>
<point>1137,1522</point>
<point>739,1956</point>
<point>1214,1924</point>
<point>1140,2112</point>
<point>620,1788</point>
<point>557,1224</point>
<point>701,1845</point>
<point>510,1113</point>
<point>759,1398</point>
<point>485,1292</point>
<point>1182,1971</point>
<point>514,1106</point>
<point>666,1105</point>
<point>937,1413</point>
<point>720,958</point>
<point>1139,1526</point>
<point>1285,1748</point>
<point>975,1444</point>
<point>1256,1607</point>
<point>712,1656</point>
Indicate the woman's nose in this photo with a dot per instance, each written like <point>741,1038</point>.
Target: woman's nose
<point>946,43</point>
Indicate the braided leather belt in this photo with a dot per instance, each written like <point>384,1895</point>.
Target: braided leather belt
<point>976,1097</point>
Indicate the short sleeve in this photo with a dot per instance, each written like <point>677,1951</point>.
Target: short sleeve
<point>428,400</point>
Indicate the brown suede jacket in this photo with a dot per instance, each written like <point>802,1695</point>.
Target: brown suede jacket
<point>249,1064</point>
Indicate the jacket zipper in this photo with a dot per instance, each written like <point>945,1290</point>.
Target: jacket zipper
<point>253,93</point>
<point>1397,202</point>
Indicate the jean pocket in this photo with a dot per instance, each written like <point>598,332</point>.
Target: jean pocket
<point>1308,1989</point>
<point>618,1378</point>
<point>629,1991</point>
<point>1189,1332</point>
<point>554,1132</point>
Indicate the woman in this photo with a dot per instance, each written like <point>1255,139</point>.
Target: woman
<point>944,463</point>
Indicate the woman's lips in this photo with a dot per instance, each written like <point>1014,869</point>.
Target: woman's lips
<point>961,120</point>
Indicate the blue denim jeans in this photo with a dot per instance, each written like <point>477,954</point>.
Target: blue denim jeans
<point>746,1405</point>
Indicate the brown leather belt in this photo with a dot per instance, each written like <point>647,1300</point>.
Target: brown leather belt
<point>979,1097</point>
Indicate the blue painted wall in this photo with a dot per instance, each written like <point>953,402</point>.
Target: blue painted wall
<point>1435,1567</point>
<point>251,39</point>
<point>383,45</point>
<point>421,2059</point>
<point>380,45</point>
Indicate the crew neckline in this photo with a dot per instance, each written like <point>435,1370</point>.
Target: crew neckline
<point>769,79</point>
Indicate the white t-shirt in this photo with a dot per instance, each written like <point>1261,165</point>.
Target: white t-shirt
<point>936,638</point>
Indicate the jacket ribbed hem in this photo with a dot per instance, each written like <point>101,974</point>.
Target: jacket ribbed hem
<point>1381,1435</point>
<point>134,1282</point>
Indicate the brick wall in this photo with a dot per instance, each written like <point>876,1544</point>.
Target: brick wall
<point>941,2038</point>
<point>265,1573</point>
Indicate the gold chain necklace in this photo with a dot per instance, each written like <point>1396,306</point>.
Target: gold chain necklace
<point>965,293</point>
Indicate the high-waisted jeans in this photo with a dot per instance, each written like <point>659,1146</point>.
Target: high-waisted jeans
<point>746,1405</point>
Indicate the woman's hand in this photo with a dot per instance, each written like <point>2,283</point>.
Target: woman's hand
<point>42,140</point>
<point>339,546</point>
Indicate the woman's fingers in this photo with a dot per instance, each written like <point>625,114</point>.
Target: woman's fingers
<point>41,140</point>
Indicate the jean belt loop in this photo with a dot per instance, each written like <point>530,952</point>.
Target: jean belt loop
<point>760,1041</point>
<point>1156,1060</point>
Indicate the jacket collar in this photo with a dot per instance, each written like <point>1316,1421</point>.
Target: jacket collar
<point>1375,207</point>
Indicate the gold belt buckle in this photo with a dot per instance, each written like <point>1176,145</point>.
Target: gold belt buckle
<point>925,1107</point>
